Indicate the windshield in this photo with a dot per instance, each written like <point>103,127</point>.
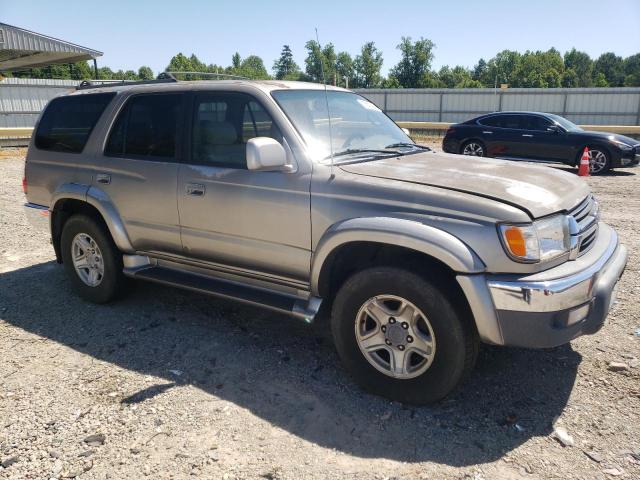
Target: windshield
<point>357,125</point>
<point>566,124</point>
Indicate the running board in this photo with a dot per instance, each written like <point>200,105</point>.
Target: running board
<point>304,309</point>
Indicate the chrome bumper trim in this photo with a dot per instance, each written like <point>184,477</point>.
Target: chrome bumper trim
<point>559,293</point>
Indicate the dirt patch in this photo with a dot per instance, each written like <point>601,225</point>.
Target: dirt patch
<point>168,384</point>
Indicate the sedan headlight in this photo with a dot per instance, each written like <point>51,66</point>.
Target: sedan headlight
<point>542,240</point>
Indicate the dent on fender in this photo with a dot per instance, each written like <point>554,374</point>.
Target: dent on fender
<point>429,240</point>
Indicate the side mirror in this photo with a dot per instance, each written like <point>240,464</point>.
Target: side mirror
<point>406,132</point>
<point>265,154</point>
<point>554,129</point>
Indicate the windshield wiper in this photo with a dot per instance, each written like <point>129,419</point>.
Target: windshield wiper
<point>407,144</point>
<point>350,151</point>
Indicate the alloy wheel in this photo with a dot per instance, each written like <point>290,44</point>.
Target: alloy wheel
<point>474,149</point>
<point>87,259</point>
<point>597,161</point>
<point>395,336</point>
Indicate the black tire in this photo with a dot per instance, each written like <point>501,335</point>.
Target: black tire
<point>483,152</point>
<point>456,341</point>
<point>113,280</point>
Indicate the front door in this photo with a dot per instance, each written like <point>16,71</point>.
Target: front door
<point>251,221</point>
<point>541,141</point>
<point>139,170</point>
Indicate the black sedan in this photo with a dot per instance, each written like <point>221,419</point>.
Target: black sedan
<point>540,136</point>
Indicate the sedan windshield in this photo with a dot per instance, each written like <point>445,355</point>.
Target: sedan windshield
<point>356,127</point>
<point>566,124</point>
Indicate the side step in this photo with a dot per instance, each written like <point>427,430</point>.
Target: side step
<point>297,307</point>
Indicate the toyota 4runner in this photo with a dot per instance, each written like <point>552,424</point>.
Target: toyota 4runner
<point>291,196</point>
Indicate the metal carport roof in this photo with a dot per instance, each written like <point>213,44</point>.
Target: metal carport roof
<point>22,49</point>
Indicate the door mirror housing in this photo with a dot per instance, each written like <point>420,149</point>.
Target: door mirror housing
<point>554,129</point>
<point>407,132</point>
<point>265,154</point>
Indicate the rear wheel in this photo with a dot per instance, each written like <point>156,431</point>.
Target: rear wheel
<point>91,259</point>
<point>400,337</point>
<point>474,148</point>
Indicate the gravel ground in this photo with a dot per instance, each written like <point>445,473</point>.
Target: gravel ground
<point>169,384</point>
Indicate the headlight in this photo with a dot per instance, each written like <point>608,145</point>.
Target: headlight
<point>623,145</point>
<point>541,240</point>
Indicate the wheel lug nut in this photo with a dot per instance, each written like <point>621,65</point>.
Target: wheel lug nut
<point>388,342</point>
<point>409,339</point>
<point>392,320</point>
<point>400,347</point>
<point>384,328</point>
<point>405,325</point>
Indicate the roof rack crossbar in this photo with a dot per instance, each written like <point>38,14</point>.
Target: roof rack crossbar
<point>163,77</point>
<point>205,74</point>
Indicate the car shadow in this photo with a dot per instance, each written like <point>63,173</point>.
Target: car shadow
<point>610,173</point>
<point>288,374</point>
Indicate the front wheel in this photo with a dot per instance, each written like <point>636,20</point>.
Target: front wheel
<point>473,148</point>
<point>400,337</point>
<point>599,161</point>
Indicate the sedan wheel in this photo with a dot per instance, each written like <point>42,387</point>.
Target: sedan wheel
<point>474,149</point>
<point>598,161</point>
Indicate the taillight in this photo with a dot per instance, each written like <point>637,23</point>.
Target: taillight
<point>24,185</point>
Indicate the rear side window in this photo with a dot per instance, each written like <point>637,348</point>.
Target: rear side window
<point>505,121</point>
<point>533,122</point>
<point>147,127</point>
<point>67,122</point>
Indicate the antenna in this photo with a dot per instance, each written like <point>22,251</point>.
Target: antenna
<point>326,99</point>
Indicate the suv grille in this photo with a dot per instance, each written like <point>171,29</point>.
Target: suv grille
<point>585,229</point>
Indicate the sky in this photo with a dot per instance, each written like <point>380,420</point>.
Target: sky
<point>140,32</point>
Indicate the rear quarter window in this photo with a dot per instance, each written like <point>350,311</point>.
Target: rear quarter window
<point>67,122</point>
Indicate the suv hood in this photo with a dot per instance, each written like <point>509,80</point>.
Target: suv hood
<point>535,189</point>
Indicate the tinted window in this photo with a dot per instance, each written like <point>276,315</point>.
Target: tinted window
<point>534,122</point>
<point>504,121</point>
<point>495,121</point>
<point>147,127</point>
<point>67,122</point>
<point>222,125</point>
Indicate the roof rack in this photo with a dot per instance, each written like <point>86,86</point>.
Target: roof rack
<point>221,76</point>
<point>164,77</point>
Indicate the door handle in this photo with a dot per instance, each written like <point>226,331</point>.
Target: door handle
<point>486,131</point>
<point>527,135</point>
<point>195,189</point>
<point>103,178</point>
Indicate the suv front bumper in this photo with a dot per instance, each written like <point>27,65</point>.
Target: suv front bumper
<point>553,307</point>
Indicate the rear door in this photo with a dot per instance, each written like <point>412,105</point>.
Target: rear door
<point>139,169</point>
<point>501,134</point>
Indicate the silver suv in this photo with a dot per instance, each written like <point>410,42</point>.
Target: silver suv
<point>294,197</point>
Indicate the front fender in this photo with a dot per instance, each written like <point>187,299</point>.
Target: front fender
<point>410,234</point>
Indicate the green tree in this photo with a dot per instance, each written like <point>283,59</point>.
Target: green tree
<point>145,73</point>
<point>179,63</point>
<point>367,66</point>
<point>285,68</point>
<point>415,62</point>
<point>344,69</point>
<point>632,71</point>
<point>581,65</point>
<point>253,67</point>
<point>320,60</point>
<point>538,69</point>
<point>600,80</point>
<point>236,61</point>
<point>501,69</point>
<point>612,67</point>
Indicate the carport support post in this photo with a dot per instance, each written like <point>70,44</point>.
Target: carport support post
<point>95,69</point>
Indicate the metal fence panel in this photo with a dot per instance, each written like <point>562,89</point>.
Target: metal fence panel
<point>596,106</point>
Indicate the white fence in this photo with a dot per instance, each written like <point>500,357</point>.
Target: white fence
<point>594,106</point>
<point>21,100</point>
